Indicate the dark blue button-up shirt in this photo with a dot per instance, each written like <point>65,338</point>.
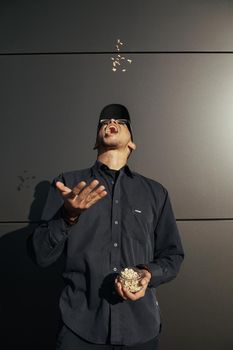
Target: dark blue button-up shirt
<point>134,224</point>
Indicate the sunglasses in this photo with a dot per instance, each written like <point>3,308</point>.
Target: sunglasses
<point>119,121</point>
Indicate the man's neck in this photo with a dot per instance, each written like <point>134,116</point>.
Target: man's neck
<point>113,159</point>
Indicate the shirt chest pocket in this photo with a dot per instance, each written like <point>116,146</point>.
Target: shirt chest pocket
<point>137,222</point>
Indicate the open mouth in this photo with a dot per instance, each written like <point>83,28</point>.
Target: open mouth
<point>111,129</point>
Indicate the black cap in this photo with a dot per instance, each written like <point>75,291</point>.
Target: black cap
<point>116,111</point>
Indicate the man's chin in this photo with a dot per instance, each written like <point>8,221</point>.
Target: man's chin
<point>110,147</point>
<point>107,146</point>
<point>109,141</point>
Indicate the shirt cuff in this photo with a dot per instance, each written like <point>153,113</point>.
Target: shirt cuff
<point>156,274</point>
<point>59,231</point>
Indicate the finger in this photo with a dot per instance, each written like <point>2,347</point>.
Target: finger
<point>119,290</point>
<point>144,281</point>
<point>94,193</point>
<point>89,188</point>
<point>134,296</point>
<point>147,274</point>
<point>118,287</point>
<point>99,189</point>
<point>62,188</point>
<point>88,199</point>
<point>96,199</point>
<point>128,294</point>
<point>78,188</point>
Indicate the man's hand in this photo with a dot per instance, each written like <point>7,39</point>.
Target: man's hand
<point>80,197</point>
<point>126,295</point>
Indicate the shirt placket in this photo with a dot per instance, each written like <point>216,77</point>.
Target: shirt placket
<point>115,255</point>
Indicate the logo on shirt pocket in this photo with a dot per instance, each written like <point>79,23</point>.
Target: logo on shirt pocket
<point>137,211</point>
<point>142,223</point>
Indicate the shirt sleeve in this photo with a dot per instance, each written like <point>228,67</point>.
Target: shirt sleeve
<point>49,237</point>
<point>168,253</point>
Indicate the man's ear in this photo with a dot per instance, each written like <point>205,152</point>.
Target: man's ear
<point>131,145</point>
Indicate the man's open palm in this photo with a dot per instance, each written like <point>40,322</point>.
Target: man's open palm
<point>81,197</point>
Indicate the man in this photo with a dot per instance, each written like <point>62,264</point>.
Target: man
<point>107,218</point>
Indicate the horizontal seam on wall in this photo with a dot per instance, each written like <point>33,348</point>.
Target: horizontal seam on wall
<point>184,219</point>
<point>110,53</point>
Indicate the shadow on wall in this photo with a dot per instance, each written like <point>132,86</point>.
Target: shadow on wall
<point>29,295</point>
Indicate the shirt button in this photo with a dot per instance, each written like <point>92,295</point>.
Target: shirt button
<point>116,201</point>
<point>115,269</point>
<point>112,182</point>
<point>115,244</point>
<point>116,222</point>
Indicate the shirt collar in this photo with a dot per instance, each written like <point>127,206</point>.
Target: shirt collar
<point>100,166</point>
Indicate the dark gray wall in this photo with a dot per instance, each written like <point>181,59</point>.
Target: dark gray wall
<point>55,76</point>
